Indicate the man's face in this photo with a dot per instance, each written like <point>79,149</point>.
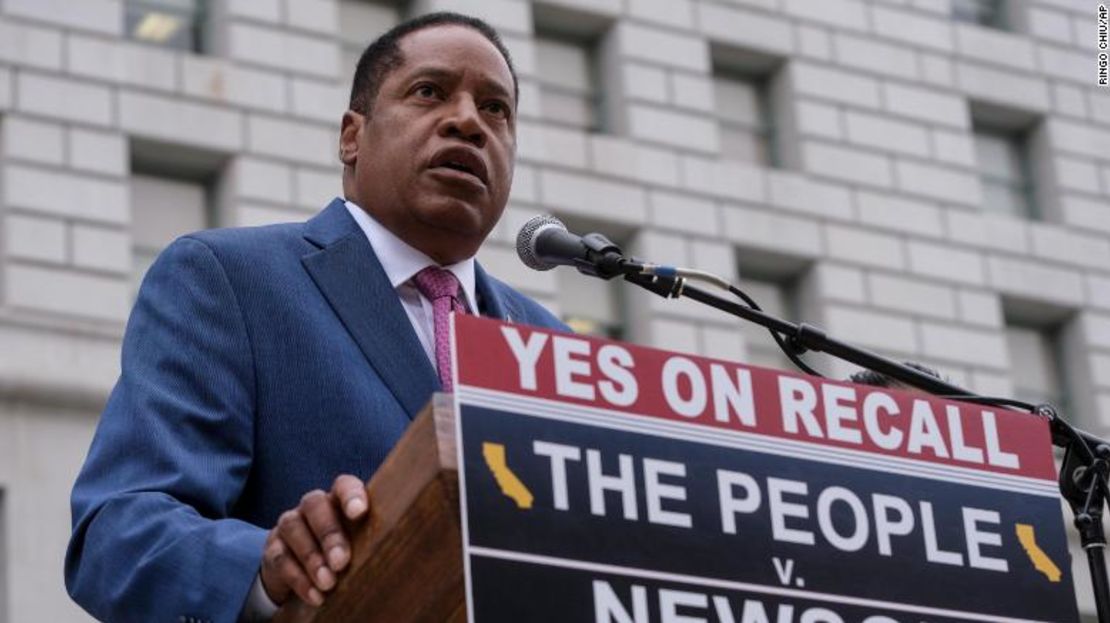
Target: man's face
<point>434,161</point>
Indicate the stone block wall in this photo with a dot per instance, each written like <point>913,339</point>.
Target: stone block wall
<point>873,212</point>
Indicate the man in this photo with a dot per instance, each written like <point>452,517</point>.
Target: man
<point>261,364</point>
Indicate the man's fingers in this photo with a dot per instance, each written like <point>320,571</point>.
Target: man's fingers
<point>275,585</point>
<point>298,538</point>
<point>322,516</point>
<point>294,576</point>
<point>351,493</point>
<point>309,545</point>
<point>281,573</point>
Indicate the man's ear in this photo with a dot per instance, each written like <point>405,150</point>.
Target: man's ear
<point>349,132</point>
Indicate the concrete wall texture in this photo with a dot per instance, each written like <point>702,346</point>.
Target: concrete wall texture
<point>870,213</point>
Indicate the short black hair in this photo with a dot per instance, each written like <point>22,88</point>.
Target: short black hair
<point>383,55</point>
<point>878,379</point>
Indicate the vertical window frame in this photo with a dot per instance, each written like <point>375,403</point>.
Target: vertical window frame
<point>766,130</point>
<point>1049,337</point>
<point>615,323</point>
<point>351,47</point>
<point>788,306</point>
<point>1026,186</point>
<point>594,94</point>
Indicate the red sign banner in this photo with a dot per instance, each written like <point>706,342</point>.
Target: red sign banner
<point>725,395</point>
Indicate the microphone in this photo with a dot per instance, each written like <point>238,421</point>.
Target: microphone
<point>544,243</point>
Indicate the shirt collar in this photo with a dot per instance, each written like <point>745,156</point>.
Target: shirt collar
<point>401,261</point>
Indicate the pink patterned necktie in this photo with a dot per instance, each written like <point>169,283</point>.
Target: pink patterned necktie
<point>441,288</point>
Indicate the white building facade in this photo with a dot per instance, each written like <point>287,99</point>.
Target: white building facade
<point>927,178</point>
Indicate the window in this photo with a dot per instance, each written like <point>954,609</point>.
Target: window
<point>161,210</point>
<point>1036,358</point>
<point>743,111</point>
<point>988,13</point>
<point>775,297</point>
<point>590,306</point>
<point>568,79</point>
<point>1004,170</point>
<point>360,22</point>
<point>748,86</point>
<point>174,24</point>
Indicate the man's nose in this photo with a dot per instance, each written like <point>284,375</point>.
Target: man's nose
<point>464,121</point>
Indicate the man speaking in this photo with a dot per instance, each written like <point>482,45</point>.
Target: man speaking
<point>267,372</point>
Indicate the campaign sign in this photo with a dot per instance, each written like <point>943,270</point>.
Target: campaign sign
<point>609,483</point>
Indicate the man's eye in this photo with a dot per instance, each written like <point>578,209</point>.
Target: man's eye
<point>498,108</point>
<point>426,90</point>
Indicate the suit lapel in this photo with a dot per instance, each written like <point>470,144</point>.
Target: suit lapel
<point>490,301</point>
<point>355,285</point>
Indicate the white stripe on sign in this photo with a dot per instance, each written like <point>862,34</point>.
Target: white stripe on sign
<point>744,440</point>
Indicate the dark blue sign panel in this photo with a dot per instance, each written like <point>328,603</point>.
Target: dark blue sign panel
<point>550,594</point>
<point>572,520</point>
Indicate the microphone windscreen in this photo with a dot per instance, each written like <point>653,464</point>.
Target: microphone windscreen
<point>526,240</point>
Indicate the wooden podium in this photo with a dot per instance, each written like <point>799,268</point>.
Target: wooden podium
<point>407,561</point>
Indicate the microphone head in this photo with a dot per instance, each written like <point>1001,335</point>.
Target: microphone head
<point>526,240</point>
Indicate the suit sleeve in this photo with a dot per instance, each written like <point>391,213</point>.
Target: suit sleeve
<point>152,535</point>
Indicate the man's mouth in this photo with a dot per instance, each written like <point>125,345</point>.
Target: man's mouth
<point>462,160</point>
<point>458,166</point>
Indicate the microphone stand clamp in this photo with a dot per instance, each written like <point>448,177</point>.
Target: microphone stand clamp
<point>603,259</point>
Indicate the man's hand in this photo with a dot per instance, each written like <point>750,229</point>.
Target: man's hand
<point>308,547</point>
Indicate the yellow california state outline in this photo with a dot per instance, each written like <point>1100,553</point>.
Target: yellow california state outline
<point>1041,562</point>
<point>507,481</point>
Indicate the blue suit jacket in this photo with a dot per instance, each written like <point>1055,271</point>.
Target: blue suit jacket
<point>258,364</point>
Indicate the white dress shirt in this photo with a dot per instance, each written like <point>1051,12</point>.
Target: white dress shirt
<point>401,262</point>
